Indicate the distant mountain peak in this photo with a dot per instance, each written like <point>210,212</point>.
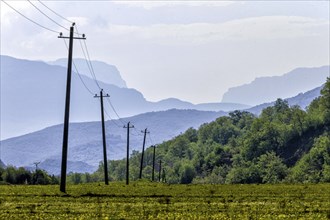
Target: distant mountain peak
<point>267,89</point>
<point>104,72</point>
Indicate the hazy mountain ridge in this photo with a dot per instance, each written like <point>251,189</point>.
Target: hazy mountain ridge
<point>267,89</point>
<point>104,72</point>
<point>85,141</point>
<point>302,100</point>
<point>39,89</point>
<point>2,164</point>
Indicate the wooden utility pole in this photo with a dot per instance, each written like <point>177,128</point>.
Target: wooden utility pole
<point>127,156</point>
<point>36,163</point>
<point>67,108</point>
<point>144,142</point>
<point>160,170</point>
<point>153,164</point>
<point>106,179</point>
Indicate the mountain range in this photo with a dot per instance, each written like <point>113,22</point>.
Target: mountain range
<point>85,141</point>
<point>33,92</point>
<point>267,89</point>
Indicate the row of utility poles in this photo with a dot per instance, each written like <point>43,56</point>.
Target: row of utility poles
<point>66,127</point>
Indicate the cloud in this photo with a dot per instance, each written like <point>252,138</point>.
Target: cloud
<point>257,28</point>
<point>156,4</point>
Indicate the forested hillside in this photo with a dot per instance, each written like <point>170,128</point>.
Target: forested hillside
<point>283,144</point>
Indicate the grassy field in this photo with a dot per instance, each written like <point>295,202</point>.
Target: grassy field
<point>143,200</point>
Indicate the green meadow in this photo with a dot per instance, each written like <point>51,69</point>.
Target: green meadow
<point>145,200</point>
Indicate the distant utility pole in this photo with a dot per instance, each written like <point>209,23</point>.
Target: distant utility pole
<point>36,163</point>
<point>67,108</point>
<point>160,170</point>
<point>106,179</point>
<point>153,164</point>
<point>127,156</point>
<point>144,142</point>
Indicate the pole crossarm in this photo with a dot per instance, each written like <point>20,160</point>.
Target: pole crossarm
<point>76,38</point>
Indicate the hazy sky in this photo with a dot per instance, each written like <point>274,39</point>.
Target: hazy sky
<point>193,50</point>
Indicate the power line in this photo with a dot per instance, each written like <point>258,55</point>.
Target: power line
<point>55,12</point>
<point>47,16</point>
<point>114,110</point>
<point>111,119</point>
<point>89,63</point>
<point>151,142</point>
<point>78,72</point>
<point>93,72</point>
<point>36,23</point>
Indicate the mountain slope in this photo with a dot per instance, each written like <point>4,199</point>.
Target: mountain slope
<point>266,89</point>
<point>32,97</point>
<point>302,100</point>
<point>85,141</point>
<point>2,164</point>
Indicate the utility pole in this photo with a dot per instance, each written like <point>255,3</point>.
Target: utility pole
<point>36,163</point>
<point>106,179</point>
<point>160,169</point>
<point>144,142</point>
<point>67,108</point>
<point>127,156</point>
<point>153,164</point>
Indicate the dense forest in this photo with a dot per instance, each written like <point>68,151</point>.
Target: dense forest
<point>283,144</point>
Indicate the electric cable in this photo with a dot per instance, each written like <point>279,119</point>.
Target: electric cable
<point>78,72</point>
<point>47,16</point>
<point>55,12</point>
<point>36,23</point>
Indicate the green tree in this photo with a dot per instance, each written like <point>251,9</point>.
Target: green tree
<point>75,178</point>
<point>9,175</point>
<point>187,173</point>
<point>23,176</point>
<point>313,166</point>
<point>272,168</point>
<point>325,102</point>
<point>40,177</point>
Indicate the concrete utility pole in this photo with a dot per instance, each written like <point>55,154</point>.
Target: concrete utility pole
<point>67,108</point>
<point>127,156</point>
<point>153,164</point>
<point>106,179</point>
<point>144,142</point>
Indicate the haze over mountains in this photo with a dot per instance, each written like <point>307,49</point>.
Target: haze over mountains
<point>33,92</point>
<point>267,89</point>
<point>302,100</point>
